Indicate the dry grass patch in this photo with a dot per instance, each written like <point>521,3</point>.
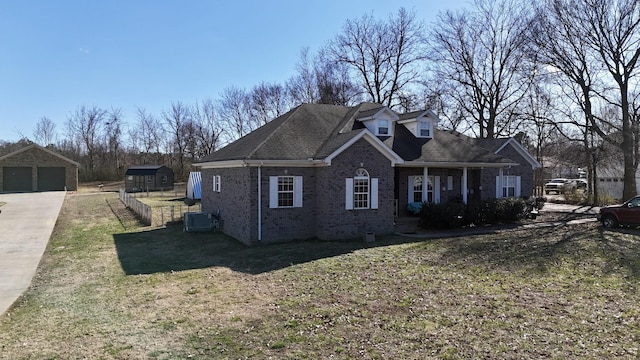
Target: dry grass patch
<point>103,292</point>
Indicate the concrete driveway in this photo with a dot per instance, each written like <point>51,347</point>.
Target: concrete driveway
<point>26,223</point>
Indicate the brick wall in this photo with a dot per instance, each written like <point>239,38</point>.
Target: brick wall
<point>233,203</point>
<point>333,220</point>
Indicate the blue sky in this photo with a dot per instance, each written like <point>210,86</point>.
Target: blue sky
<point>58,55</point>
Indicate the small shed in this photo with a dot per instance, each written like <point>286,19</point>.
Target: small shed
<point>35,168</point>
<point>148,178</point>
<point>194,186</point>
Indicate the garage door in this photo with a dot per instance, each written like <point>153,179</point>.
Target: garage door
<point>51,178</point>
<point>16,178</point>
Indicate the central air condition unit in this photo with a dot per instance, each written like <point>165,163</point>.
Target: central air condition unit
<point>200,221</point>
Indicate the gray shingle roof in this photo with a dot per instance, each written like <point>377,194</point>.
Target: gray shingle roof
<point>315,131</point>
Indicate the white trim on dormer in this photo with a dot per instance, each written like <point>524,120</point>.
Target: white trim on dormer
<point>413,123</point>
<point>381,119</point>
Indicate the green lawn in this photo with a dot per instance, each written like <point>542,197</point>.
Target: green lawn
<point>105,293</point>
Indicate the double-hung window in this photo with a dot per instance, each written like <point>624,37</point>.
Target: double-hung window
<point>383,127</point>
<point>361,191</point>
<point>424,129</point>
<point>285,191</point>
<point>416,189</point>
<point>508,186</point>
<point>417,186</point>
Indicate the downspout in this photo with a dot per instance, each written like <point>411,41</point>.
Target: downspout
<point>260,201</point>
<point>465,186</point>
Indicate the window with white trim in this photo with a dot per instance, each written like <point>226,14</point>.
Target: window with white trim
<point>508,186</point>
<point>417,189</point>
<point>361,191</point>
<point>216,183</point>
<point>424,129</point>
<point>285,191</point>
<point>383,127</point>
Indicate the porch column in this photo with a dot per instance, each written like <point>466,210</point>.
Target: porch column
<point>465,186</point>
<point>425,183</point>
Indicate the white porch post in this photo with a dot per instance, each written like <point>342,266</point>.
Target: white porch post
<point>465,186</point>
<point>425,183</point>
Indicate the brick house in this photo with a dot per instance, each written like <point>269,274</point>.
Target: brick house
<point>35,168</point>
<point>336,172</point>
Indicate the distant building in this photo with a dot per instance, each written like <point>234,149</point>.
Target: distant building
<point>148,178</point>
<point>34,168</point>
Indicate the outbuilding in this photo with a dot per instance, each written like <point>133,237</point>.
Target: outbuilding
<point>148,178</point>
<point>35,168</point>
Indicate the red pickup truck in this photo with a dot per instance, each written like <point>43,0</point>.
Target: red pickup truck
<point>626,214</point>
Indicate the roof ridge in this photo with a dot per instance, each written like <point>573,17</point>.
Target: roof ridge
<point>352,112</point>
<point>288,115</point>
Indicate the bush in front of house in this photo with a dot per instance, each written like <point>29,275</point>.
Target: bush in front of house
<point>442,216</point>
<point>455,214</point>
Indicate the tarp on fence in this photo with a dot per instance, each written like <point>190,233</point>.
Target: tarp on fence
<point>194,186</point>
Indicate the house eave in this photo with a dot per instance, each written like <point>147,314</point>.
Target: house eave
<point>374,141</point>
<point>257,163</point>
<point>455,165</point>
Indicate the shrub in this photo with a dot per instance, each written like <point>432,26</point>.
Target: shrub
<point>455,214</point>
<point>442,216</point>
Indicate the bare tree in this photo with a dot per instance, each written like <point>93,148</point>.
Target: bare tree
<point>45,131</point>
<point>113,140</point>
<point>177,118</point>
<point>84,126</point>
<point>268,101</point>
<point>582,41</point>
<point>614,33</point>
<point>234,110</point>
<point>209,129</point>
<point>334,83</point>
<point>385,56</point>
<point>480,50</point>
<point>303,87</point>
<point>151,134</point>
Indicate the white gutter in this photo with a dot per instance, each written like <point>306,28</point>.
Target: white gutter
<point>456,165</point>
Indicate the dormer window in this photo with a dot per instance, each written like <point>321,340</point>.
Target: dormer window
<point>383,127</point>
<point>424,129</point>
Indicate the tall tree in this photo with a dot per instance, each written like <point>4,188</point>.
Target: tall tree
<point>268,101</point>
<point>209,129</point>
<point>45,131</point>
<point>235,111</point>
<point>177,118</point>
<point>614,32</point>
<point>384,56</point>
<point>84,126</point>
<point>480,50</point>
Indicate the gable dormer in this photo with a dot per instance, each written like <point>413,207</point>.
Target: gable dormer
<point>421,123</point>
<point>379,121</point>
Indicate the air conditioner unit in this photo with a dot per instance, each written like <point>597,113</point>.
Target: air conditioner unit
<point>200,221</point>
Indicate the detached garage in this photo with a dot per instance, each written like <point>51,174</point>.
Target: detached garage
<point>34,168</point>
